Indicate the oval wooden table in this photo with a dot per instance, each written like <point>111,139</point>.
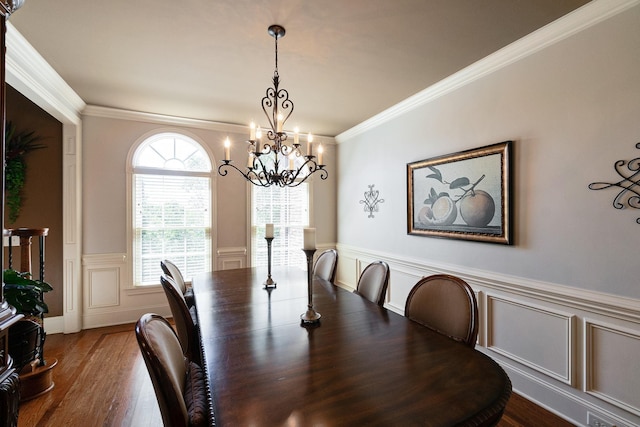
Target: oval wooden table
<point>361,366</point>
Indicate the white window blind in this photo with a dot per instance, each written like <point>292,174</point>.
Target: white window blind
<point>172,208</point>
<point>288,210</point>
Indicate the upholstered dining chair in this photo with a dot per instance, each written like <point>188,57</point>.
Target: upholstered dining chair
<point>185,319</point>
<point>373,282</point>
<point>179,385</point>
<point>445,304</point>
<point>326,264</point>
<point>171,269</point>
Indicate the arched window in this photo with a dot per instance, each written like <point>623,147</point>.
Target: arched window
<point>171,187</point>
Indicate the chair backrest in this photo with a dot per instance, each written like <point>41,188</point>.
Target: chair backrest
<point>179,384</point>
<point>445,304</point>
<point>373,282</point>
<point>167,367</point>
<point>326,264</point>
<point>185,325</point>
<point>172,270</point>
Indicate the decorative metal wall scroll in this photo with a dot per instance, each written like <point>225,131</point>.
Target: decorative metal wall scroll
<point>371,201</point>
<point>629,195</point>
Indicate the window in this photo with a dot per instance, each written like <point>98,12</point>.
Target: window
<point>171,207</point>
<point>288,210</point>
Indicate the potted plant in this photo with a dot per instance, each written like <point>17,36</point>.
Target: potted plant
<point>18,145</point>
<point>26,338</point>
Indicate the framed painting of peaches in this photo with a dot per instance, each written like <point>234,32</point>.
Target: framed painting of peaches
<point>464,195</point>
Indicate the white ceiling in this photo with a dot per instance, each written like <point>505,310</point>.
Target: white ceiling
<point>342,61</point>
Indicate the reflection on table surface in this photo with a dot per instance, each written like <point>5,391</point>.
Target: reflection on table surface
<point>362,365</point>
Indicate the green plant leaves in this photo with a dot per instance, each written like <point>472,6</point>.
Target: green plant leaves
<point>24,293</point>
<point>18,145</point>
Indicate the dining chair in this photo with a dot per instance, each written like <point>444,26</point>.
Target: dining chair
<point>373,282</point>
<point>171,269</point>
<point>179,385</point>
<point>445,304</point>
<point>326,264</point>
<point>185,319</point>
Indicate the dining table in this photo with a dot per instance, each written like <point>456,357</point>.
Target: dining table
<point>360,365</point>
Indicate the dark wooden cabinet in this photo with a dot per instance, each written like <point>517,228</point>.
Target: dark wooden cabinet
<point>9,382</point>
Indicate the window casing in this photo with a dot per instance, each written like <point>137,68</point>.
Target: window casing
<point>288,210</point>
<point>171,207</point>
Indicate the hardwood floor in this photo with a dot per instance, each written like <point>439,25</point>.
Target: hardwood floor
<point>101,379</point>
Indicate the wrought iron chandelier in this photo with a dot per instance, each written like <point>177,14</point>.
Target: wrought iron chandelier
<point>271,161</point>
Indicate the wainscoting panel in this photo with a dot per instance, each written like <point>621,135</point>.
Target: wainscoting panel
<point>347,271</point>
<point>538,338</point>
<point>103,288</point>
<point>109,298</point>
<point>400,284</point>
<point>230,258</point>
<point>612,365</point>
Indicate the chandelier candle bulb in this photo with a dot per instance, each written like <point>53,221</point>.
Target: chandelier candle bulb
<point>250,161</point>
<point>258,137</point>
<point>268,233</point>
<point>227,149</point>
<point>309,239</point>
<point>279,123</point>
<point>320,151</point>
<point>252,132</point>
<point>291,162</point>
<point>296,137</point>
<point>309,145</point>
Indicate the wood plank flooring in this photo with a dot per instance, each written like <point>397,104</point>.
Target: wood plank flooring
<point>101,380</point>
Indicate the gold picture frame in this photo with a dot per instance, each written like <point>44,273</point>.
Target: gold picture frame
<point>464,195</point>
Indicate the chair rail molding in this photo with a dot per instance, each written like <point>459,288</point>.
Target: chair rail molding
<point>614,306</point>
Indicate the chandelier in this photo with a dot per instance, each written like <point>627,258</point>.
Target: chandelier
<point>271,161</point>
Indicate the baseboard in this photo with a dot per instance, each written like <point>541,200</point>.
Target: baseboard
<point>122,317</point>
<point>54,325</point>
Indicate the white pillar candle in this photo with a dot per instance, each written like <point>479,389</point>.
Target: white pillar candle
<point>227,149</point>
<point>268,231</point>
<point>320,150</point>
<point>296,136</point>
<point>252,132</point>
<point>309,238</point>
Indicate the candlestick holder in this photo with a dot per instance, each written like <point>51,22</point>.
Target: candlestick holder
<point>269,283</point>
<point>310,316</point>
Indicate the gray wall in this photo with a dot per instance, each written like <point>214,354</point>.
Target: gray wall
<point>572,110</point>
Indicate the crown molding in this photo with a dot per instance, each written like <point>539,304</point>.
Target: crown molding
<point>582,18</point>
<point>31,75</point>
<point>139,116</point>
<point>119,114</point>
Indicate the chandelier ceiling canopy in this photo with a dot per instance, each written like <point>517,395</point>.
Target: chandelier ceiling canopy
<point>271,161</point>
